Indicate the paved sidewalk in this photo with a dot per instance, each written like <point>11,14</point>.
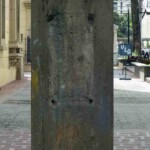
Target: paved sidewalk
<point>123,140</point>
<point>132,140</point>
<point>15,115</point>
<point>15,100</point>
<point>17,90</point>
<point>131,114</point>
<point>15,140</point>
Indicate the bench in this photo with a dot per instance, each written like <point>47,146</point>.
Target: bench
<point>141,70</point>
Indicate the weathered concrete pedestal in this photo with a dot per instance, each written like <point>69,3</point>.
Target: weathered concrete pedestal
<point>72,75</point>
<point>16,59</point>
<point>141,70</point>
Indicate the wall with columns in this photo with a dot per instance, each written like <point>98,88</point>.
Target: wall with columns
<point>25,24</point>
<point>7,72</point>
<point>15,20</point>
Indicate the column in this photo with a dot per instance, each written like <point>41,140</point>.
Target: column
<point>0,22</point>
<point>72,75</point>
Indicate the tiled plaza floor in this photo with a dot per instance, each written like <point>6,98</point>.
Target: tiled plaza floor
<point>132,140</point>
<point>15,140</point>
<point>123,140</point>
<point>131,114</point>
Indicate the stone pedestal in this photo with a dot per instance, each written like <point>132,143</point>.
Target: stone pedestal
<point>17,61</point>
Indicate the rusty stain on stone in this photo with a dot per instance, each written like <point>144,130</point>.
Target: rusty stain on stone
<point>35,81</point>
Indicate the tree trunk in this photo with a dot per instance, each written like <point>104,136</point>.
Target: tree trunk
<point>136,24</point>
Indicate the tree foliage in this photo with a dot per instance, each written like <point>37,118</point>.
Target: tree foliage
<point>122,22</point>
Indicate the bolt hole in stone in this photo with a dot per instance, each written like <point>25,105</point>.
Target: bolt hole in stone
<point>54,102</point>
<point>91,101</point>
<point>91,18</point>
<point>50,18</point>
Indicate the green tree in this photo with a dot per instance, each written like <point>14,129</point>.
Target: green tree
<point>122,22</point>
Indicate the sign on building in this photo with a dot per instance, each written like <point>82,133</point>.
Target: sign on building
<point>125,49</point>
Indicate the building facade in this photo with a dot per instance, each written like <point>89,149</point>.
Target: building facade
<point>145,25</point>
<point>122,6</point>
<point>15,25</point>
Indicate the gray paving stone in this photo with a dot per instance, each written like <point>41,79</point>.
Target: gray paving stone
<point>131,116</point>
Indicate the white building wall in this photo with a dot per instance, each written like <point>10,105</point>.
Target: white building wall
<point>7,72</point>
<point>115,49</point>
<point>145,25</point>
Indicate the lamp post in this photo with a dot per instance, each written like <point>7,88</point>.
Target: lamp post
<point>128,26</point>
<point>125,61</point>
